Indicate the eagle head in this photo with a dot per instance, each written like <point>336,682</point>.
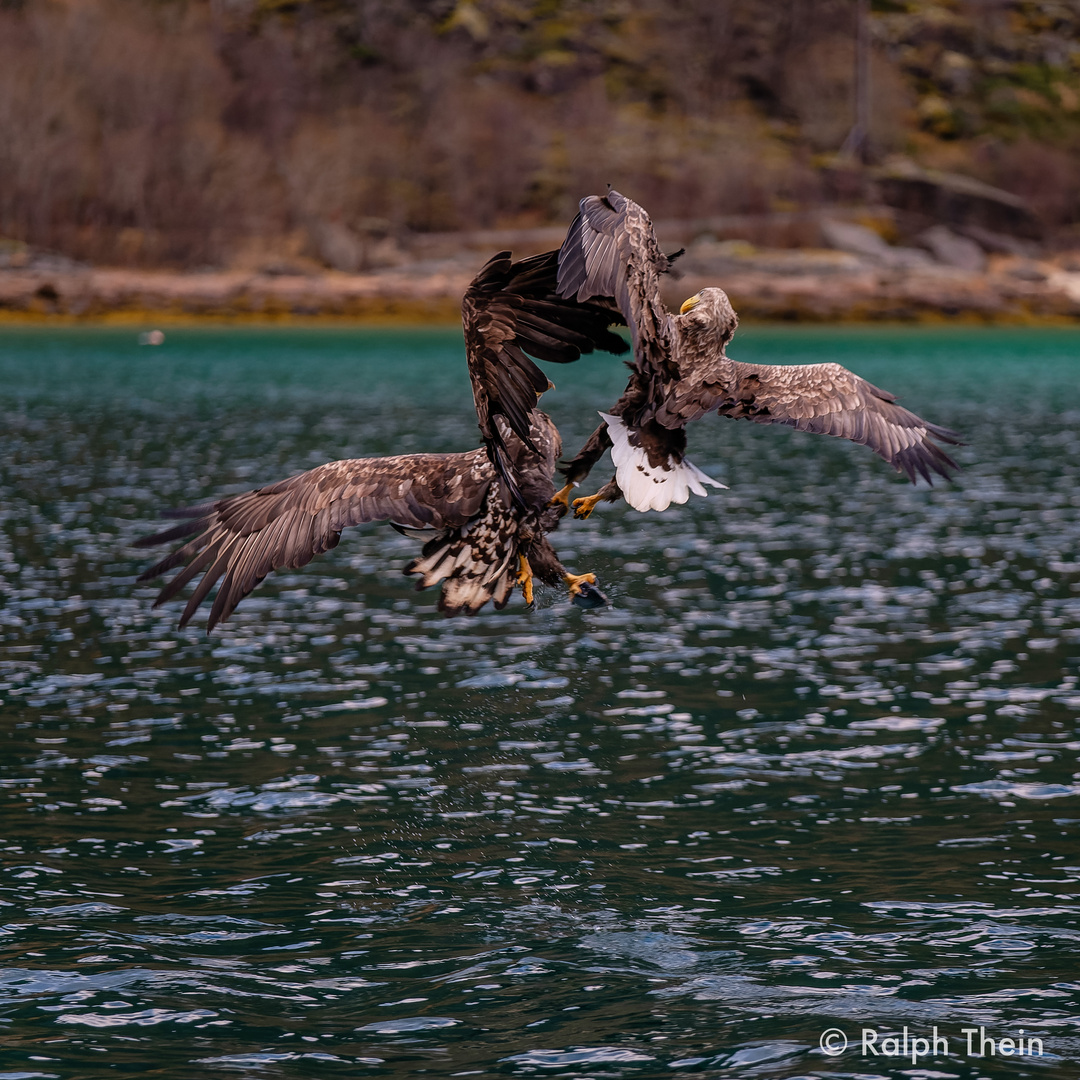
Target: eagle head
<point>709,317</point>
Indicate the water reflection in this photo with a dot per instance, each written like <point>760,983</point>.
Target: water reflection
<point>817,767</point>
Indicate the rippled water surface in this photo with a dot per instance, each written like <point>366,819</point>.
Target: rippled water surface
<point>817,767</point>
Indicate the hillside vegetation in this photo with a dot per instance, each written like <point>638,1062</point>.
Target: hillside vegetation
<point>193,133</point>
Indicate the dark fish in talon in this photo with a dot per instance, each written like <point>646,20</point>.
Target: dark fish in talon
<point>484,514</point>
<point>589,596</point>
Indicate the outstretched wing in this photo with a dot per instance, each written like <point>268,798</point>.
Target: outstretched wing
<point>245,537</point>
<point>510,309</point>
<point>610,251</point>
<point>831,400</point>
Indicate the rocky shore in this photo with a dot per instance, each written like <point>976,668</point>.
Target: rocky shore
<point>851,273</point>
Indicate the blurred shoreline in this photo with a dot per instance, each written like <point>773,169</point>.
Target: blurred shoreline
<point>815,285</point>
<point>858,277</point>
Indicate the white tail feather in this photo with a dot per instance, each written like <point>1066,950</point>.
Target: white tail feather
<point>648,488</point>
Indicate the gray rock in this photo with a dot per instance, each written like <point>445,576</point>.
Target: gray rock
<point>338,246</point>
<point>709,257</point>
<point>905,258</point>
<point>859,240</point>
<point>953,250</point>
<point>1027,271</point>
<point>15,255</point>
<point>352,250</point>
<point>856,239</point>
<point>1000,243</point>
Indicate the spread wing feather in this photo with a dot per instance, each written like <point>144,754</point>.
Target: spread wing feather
<point>242,538</point>
<point>610,252</point>
<point>510,309</point>
<point>830,400</point>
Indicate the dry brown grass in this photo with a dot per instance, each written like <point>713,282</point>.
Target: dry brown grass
<point>239,132</point>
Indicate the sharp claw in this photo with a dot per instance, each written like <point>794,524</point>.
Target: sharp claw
<point>525,579</point>
<point>584,591</point>
<point>584,507</point>
<point>562,496</point>
<point>575,581</point>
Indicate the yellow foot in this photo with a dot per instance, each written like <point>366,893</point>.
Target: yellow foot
<point>584,507</point>
<point>525,579</point>
<point>563,496</point>
<point>575,581</point>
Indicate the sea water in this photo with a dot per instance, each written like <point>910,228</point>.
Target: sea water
<point>815,770</point>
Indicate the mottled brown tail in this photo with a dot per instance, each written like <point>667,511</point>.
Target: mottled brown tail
<point>476,562</point>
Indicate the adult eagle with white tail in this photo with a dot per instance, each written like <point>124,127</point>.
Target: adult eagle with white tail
<point>681,372</point>
<point>485,513</point>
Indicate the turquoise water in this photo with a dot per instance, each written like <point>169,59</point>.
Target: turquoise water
<point>817,767</point>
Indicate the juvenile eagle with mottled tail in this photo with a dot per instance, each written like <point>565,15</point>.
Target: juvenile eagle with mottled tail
<point>484,513</point>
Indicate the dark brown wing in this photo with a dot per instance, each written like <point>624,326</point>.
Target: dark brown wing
<point>245,537</point>
<point>610,251</point>
<point>510,309</point>
<point>831,400</point>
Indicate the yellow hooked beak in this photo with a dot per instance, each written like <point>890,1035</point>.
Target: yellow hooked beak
<point>689,305</point>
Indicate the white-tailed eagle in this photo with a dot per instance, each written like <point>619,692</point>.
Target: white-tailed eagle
<point>484,513</point>
<point>680,372</point>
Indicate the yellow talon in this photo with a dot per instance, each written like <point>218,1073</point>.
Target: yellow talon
<point>584,507</point>
<point>525,579</point>
<point>574,582</point>
<point>562,496</point>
